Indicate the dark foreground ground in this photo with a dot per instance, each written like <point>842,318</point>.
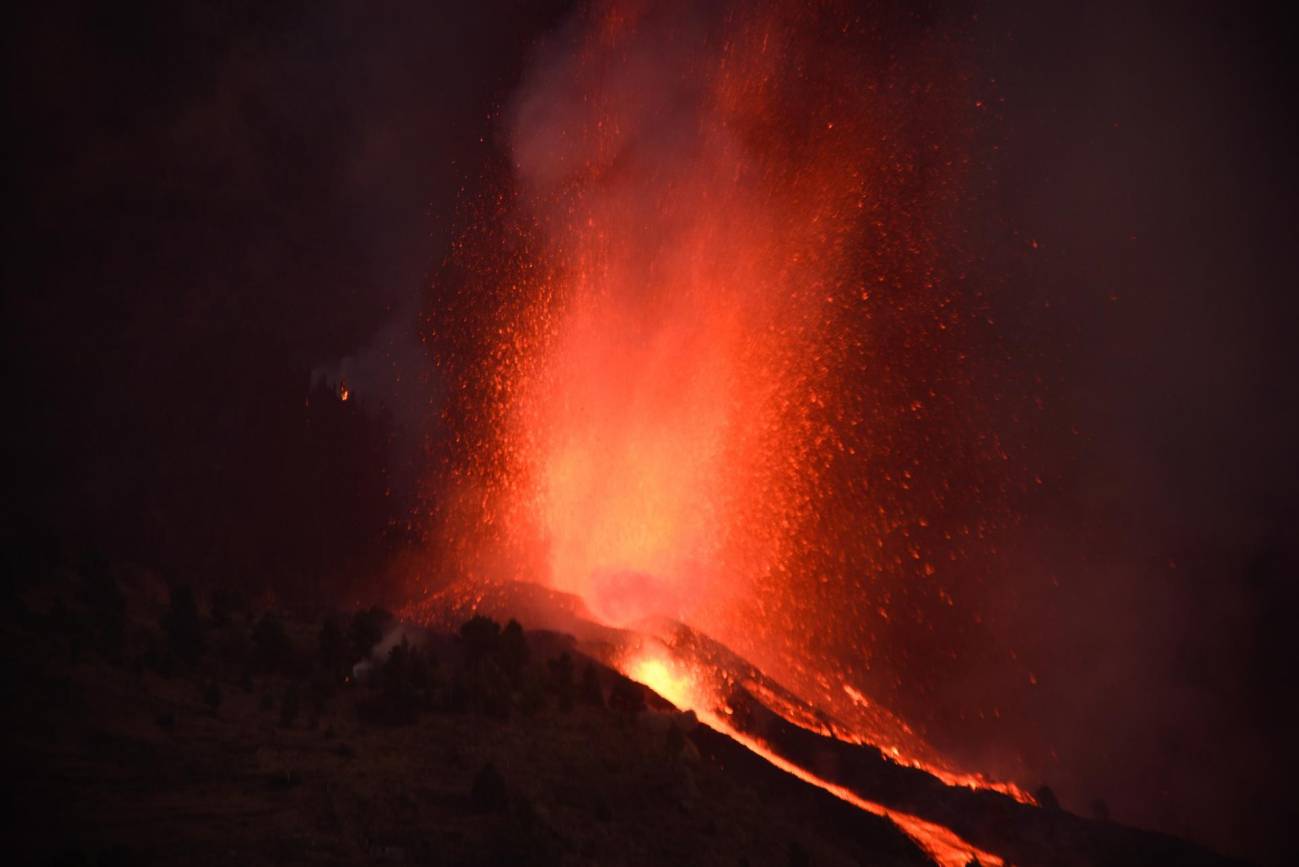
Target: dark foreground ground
<point>131,741</point>
<point>148,724</point>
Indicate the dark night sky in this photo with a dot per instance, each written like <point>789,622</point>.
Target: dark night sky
<point>1148,151</point>
<point>217,200</point>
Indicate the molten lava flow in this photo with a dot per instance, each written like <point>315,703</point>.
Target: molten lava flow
<point>709,350</point>
<point>664,675</point>
<point>940,843</point>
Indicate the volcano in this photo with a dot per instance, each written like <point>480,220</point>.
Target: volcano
<point>956,818</point>
<point>850,432</point>
<point>713,355</point>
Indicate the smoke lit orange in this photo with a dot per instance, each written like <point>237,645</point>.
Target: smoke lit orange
<point>708,348</point>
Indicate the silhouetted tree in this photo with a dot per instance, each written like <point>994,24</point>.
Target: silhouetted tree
<point>394,674</point>
<point>480,638</point>
<point>368,627</point>
<point>1046,798</point>
<point>403,686</point>
<point>488,793</point>
<point>561,680</point>
<point>334,650</point>
<point>513,650</point>
<point>589,692</point>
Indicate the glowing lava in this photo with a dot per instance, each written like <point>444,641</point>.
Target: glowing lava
<point>669,679</point>
<point>708,349</point>
<point>661,676</point>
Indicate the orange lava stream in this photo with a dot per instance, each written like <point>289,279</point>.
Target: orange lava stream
<point>877,736</point>
<point>944,846</point>
<point>677,686</point>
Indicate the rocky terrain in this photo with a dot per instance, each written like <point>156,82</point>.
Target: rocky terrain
<point>129,745</point>
<point>149,724</point>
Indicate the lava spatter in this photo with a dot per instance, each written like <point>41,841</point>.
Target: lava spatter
<point>710,346</point>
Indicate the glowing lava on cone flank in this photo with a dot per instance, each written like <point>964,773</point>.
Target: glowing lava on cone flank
<point>709,349</point>
<point>688,690</point>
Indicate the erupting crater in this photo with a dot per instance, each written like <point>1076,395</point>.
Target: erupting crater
<point>709,349</point>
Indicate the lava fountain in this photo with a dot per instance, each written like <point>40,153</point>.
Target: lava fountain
<point>709,343</point>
